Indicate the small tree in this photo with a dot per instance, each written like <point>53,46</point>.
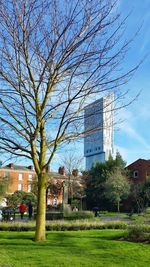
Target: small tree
<point>4,182</point>
<point>15,199</point>
<point>73,163</point>
<point>96,179</point>
<point>117,187</point>
<point>140,195</point>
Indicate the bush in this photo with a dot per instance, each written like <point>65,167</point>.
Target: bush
<point>62,225</point>
<point>138,233</point>
<point>147,211</point>
<point>78,215</point>
<point>54,215</point>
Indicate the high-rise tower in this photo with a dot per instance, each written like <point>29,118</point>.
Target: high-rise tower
<point>98,126</point>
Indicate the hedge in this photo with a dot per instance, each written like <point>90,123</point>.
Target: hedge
<point>63,225</point>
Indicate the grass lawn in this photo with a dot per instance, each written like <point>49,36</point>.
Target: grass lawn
<point>72,249</point>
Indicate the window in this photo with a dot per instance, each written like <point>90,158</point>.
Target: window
<point>30,177</point>
<point>20,186</point>
<point>135,174</point>
<point>20,176</point>
<point>29,187</point>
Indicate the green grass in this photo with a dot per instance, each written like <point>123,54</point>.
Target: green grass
<point>72,249</point>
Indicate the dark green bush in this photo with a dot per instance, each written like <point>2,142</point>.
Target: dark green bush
<point>78,215</point>
<point>50,216</point>
<point>138,233</point>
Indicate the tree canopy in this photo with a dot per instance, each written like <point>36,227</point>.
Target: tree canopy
<point>97,182</point>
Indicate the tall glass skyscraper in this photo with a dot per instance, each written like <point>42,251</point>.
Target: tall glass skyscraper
<point>98,126</point>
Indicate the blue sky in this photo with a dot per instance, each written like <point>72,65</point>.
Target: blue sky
<point>132,136</point>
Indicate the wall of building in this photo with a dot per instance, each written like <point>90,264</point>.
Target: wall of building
<point>18,179</point>
<point>139,170</point>
<point>98,125</point>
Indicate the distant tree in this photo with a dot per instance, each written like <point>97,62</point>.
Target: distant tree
<point>136,198</point>
<point>4,182</point>
<point>96,179</point>
<point>95,187</point>
<point>119,162</point>
<point>117,187</point>
<point>72,161</point>
<point>140,196</point>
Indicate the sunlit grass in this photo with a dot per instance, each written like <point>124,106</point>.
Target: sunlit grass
<point>72,249</point>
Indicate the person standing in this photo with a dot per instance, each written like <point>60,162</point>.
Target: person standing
<point>30,210</point>
<point>22,209</point>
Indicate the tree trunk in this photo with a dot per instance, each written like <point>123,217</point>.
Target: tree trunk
<point>41,209</point>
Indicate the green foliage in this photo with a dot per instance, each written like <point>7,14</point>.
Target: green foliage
<point>63,225</point>
<point>15,199</point>
<point>79,215</point>
<point>4,182</point>
<point>140,196</point>
<point>138,233</point>
<point>54,215</point>
<point>119,162</point>
<point>117,187</point>
<point>95,187</point>
<point>147,211</point>
<point>96,182</point>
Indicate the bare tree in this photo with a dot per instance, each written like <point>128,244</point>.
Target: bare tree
<point>72,161</point>
<point>54,56</point>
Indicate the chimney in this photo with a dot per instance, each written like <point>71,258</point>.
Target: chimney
<point>30,168</point>
<point>75,172</point>
<point>11,165</point>
<point>61,170</point>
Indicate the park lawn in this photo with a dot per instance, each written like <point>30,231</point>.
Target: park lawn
<point>72,249</point>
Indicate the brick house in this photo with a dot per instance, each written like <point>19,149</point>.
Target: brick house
<point>139,170</point>
<point>22,178</point>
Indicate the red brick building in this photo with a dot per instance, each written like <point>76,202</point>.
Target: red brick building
<point>139,170</point>
<point>19,177</point>
<point>22,178</point>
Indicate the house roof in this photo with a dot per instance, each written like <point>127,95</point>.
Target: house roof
<point>140,161</point>
<point>17,168</point>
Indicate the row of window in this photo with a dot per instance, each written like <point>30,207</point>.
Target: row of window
<point>20,177</point>
<point>20,187</point>
<point>96,149</point>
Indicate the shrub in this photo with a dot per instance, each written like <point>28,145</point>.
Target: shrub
<point>56,215</point>
<point>147,211</point>
<point>78,215</point>
<point>138,233</point>
<point>63,225</point>
<point>103,212</point>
